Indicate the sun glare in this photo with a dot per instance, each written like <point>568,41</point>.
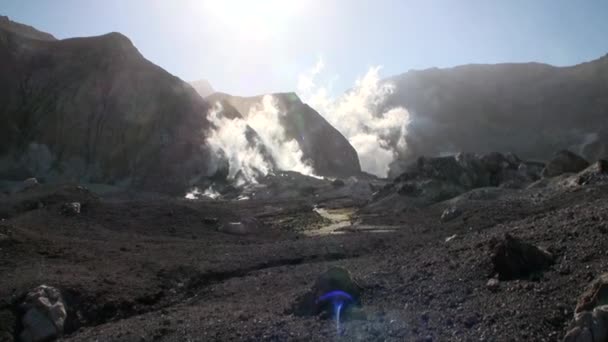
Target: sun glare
<point>254,19</point>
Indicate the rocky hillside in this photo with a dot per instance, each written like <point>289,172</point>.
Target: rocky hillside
<point>528,109</point>
<point>95,110</point>
<point>327,150</point>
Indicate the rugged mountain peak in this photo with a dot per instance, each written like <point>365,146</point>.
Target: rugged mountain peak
<point>24,30</point>
<point>93,109</point>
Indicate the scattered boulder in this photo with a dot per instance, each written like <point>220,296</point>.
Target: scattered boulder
<point>597,173</point>
<point>493,284</point>
<point>434,179</point>
<point>335,279</point>
<point>450,214</point>
<point>44,314</point>
<point>70,209</point>
<point>564,162</point>
<point>513,258</point>
<point>29,183</point>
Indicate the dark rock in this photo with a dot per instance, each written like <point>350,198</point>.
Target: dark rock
<point>338,183</point>
<point>70,209</point>
<point>94,108</point>
<point>564,162</point>
<point>29,183</point>
<point>513,258</point>
<point>211,220</point>
<point>450,214</point>
<point>335,279</point>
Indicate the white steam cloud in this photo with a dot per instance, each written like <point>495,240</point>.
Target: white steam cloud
<point>376,134</point>
<point>251,156</point>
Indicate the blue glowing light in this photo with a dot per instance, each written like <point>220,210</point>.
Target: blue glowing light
<point>338,299</point>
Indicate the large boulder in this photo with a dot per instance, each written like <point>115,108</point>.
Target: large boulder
<point>513,258</point>
<point>44,314</point>
<point>564,162</point>
<point>334,280</point>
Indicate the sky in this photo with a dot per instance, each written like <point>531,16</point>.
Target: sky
<point>250,47</point>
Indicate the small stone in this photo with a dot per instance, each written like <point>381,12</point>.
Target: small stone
<point>70,209</point>
<point>30,183</point>
<point>493,284</point>
<point>450,214</point>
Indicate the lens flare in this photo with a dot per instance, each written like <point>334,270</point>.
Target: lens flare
<point>338,299</point>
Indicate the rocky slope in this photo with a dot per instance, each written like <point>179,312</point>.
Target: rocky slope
<point>94,109</point>
<point>327,150</point>
<point>529,109</point>
<point>510,266</point>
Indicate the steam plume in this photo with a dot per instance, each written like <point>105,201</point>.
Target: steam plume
<point>375,133</point>
<point>250,155</point>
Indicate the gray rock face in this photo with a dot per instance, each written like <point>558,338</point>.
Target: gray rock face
<point>329,152</point>
<point>530,109</point>
<point>94,109</point>
<point>431,180</point>
<point>564,162</point>
<point>45,314</point>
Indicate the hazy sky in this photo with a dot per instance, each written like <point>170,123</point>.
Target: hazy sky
<point>247,47</point>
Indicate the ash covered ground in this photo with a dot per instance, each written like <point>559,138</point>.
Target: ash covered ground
<point>144,267</point>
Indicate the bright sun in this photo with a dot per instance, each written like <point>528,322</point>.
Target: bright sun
<point>254,19</point>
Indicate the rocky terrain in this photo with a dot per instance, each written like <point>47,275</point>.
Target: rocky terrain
<point>530,109</point>
<point>94,110</point>
<point>489,261</point>
<point>120,220</point>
